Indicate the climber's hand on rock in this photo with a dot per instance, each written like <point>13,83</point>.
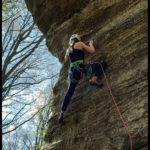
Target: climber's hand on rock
<point>91,42</point>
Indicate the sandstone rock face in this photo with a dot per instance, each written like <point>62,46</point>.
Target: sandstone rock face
<point>119,30</point>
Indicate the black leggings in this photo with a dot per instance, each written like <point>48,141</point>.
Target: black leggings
<point>96,71</point>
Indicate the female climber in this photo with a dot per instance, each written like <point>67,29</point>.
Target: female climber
<point>77,68</point>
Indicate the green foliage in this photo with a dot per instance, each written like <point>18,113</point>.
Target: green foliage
<point>43,117</point>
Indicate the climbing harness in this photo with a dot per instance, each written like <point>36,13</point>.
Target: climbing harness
<point>76,62</point>
<point>117,109</point>
<point>74,66</point>
<point>84,71</point>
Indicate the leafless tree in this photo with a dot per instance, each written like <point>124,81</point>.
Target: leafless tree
<point>20,141</point>
<point>17,47</point>
<point>20,40</point>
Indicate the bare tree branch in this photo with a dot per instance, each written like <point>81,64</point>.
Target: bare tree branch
<point>20,68</point>
<point>5,76</point>
<point>7,116</point>
<point>22,122</point>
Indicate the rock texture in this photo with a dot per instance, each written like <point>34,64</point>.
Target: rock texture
<point>119,30</point>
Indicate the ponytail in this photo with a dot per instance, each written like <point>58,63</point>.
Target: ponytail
<point>71,43</point>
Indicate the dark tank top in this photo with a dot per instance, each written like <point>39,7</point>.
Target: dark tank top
<point>76,54</point>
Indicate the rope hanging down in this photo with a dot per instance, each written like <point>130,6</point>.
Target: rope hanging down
<point>125,126</point>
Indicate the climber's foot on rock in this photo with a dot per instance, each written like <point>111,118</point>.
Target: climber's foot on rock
<point>61,119</point>
<point>96,84</point>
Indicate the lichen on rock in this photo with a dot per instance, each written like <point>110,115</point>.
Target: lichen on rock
<point>119,30</point>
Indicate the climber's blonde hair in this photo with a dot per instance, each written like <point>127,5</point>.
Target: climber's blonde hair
<point>73,38</point>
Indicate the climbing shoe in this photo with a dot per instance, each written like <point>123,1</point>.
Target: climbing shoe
<point>61,119</point>
<point>96,84</point>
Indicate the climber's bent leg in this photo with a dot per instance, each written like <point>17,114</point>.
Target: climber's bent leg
<point>97,70</point>
<point>68,96</point>
<point>97,73</point>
